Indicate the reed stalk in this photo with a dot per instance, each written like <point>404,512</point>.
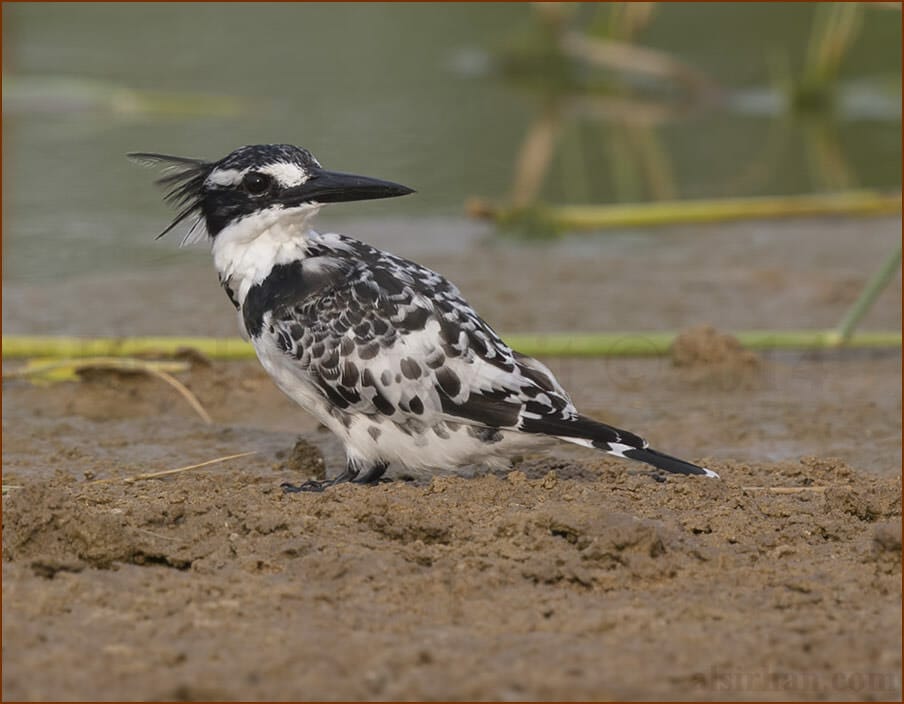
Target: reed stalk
<point>867,297</point>
<point>610,344</point>
<point>595,217</point>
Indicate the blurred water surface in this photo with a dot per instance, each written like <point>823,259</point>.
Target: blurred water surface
<point>408,92</point>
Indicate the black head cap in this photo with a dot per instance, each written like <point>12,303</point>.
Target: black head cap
<point>253,179</point>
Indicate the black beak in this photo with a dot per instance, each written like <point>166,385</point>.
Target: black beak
<point>333,187</point>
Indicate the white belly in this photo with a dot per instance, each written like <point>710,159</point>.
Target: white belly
<point>411,443</point>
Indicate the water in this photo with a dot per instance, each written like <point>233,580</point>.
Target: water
<point>408,92</point>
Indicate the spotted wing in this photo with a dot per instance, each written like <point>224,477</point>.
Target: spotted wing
<point>376,334</point>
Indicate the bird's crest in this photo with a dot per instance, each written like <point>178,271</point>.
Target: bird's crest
<point>183,177</point>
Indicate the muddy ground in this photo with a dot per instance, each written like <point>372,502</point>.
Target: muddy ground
<point>571,576</point>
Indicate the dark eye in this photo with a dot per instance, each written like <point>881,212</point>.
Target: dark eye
<point>256,183</point>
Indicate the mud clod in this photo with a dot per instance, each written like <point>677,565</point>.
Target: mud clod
<point>304,458</point>
<point>708,356</point>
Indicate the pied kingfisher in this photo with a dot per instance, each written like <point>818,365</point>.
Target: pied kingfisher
<point>384,352</point>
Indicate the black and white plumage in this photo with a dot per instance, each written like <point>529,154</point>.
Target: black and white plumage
<point>384,352</point>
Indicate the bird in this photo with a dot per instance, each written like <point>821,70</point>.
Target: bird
<point>384,352</point>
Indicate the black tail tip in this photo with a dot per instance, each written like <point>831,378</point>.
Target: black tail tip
<point>667,463</point>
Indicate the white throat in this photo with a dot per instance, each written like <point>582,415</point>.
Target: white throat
<point>246,251</point>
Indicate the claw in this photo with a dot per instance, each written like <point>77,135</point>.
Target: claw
<point>310,485</point>
<point>373,475</point>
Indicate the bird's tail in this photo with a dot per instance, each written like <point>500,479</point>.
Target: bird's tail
<point>660,460</point>
<point>590,433</point>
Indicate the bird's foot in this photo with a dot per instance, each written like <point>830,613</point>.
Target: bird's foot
<point>311,485</point>
<point>372,475</point>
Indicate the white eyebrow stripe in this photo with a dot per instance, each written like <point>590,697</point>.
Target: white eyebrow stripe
<point>287,175</point>
<point>225,177</point>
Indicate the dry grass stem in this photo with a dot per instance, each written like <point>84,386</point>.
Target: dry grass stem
<point>168,472</point>
<point>184,392</point>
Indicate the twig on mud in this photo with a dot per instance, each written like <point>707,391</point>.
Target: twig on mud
<point>167,472</point>
<point>784,489</point>
<point>9,487</point>
<point>158,535</point>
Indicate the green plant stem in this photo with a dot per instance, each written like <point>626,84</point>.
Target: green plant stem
<point>612,344</point>
<point>589,217</point>
<point>633,344</point>
<point>52,346</point>
<point>867,297</point>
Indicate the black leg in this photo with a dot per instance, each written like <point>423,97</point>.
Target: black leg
<point>371,476</point>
